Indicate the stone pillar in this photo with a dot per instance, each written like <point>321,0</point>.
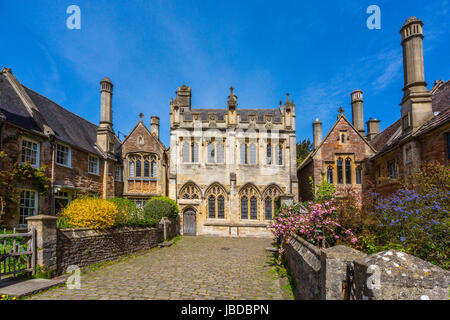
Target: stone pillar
<point>373,128</point>
<point>154,126</point>
<point>394,275</point>
<point>335,263</point>
<point>46,240</point>
<point>164,226</point>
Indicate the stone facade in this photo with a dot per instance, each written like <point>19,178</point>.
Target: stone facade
<point>228,166</point>
<point>338,159</point>
<point>145,163</point>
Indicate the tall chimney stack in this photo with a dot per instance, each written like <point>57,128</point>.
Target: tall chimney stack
<point>357,110</point>
<point>106,103</point>
<point>154,126</point>
<point>373,128</point>
<point>105,133</point>
<point>317,133</point>
<point>184,98</point>
<point>416,102</point>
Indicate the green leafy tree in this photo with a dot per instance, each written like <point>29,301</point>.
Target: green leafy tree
<point>303,149</point>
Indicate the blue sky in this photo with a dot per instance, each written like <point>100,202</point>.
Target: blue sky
<point>318,51</point>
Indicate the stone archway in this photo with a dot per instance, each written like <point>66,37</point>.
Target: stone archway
<point>189,222</point>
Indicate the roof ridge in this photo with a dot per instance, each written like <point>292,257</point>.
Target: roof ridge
<point>42,96</point>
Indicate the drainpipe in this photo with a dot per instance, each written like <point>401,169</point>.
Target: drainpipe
<point>52,179</point>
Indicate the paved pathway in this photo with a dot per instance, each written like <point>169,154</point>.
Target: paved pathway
<point>193,268</point>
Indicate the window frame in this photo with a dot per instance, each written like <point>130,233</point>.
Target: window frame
<point>118,173</point>
<point>340,170</point>
<point>23,217</point>
<point>97,172</point>
<point>37,152</point>
<point>69,155</point>
<point>330,175</point>
<point>348,170</point>
<point>358,174</point>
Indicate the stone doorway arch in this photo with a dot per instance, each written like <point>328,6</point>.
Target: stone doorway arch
<point>189,222</point>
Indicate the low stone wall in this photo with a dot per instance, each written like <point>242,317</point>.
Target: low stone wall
<point>304,265</point>
<point>342,273</point>
<point>57,249</point>
<point>83,247</point>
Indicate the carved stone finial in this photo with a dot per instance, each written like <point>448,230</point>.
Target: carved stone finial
<point>341,110</point>
<point>232,99</point>
<point>141,115</point>
<point>287,97</point>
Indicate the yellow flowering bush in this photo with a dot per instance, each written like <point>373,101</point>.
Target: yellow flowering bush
<point>93,213</point>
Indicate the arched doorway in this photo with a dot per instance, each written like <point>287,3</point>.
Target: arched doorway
<point>189,223</point>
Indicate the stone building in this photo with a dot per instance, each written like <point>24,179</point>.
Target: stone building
<point>340,157</point>
<point>229,166</point>
<point>145,163</point>
<point>421,134</point>
<point>79,156</point>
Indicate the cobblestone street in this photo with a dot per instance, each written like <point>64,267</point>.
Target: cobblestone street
<point>192,268</point>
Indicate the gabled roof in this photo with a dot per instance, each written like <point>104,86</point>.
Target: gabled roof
<point>385,141</point>
<point>140,122</point>
<point>66,126</point>
<point>312,153</point>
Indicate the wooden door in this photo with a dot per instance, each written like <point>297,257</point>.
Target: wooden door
<point>189,223</point>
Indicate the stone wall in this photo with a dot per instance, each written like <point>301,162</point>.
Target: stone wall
<point>304,265</point>
<point>342,273</point>
<point>57,249</point>
<point>83,247</point>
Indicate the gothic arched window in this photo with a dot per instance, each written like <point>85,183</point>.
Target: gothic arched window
<point>210,151</point>
<point>348,171</point>
<point>358,175</point>
<point>268,208</point>
<point>153,169</point>
<point>330,174</point>
<point>252,153</point>
<point>212,206</point>
<point>340,173</point>
<point>244,152</point>
<point>194,157</point>
<point>216,201</point>
<point>244,207</point>
<point>190,191</point>
<point>270,205</point>
<point>219,151</point>
<point>279,154</point>
<point>253,208</point>
<point>146,168</point>
<point>138,168</point>
<point>185,152</point>
<point>220,207</point>
<point>269,153</point>
<point>131,168</point>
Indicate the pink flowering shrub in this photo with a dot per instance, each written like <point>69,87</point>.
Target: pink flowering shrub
<point>319,225</point>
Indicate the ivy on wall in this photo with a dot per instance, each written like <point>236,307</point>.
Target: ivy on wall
<point>16,175</point>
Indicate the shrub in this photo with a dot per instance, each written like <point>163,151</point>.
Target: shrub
<point>93,213</point>
<point>159,207</point>
<point>127,209</point>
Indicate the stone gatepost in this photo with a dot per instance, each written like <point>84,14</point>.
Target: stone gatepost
<point>336,262</point>
<point>46,240</point>
<point>394,275</point>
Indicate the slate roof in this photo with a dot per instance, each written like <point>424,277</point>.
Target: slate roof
<point>67,126</point>
<point>243,113</point>
<point>386,140</point>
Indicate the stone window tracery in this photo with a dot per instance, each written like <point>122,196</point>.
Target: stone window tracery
<point>249,200</point>
<point>216,201</point>
<point>190,191</point>
<point>269,197</point>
